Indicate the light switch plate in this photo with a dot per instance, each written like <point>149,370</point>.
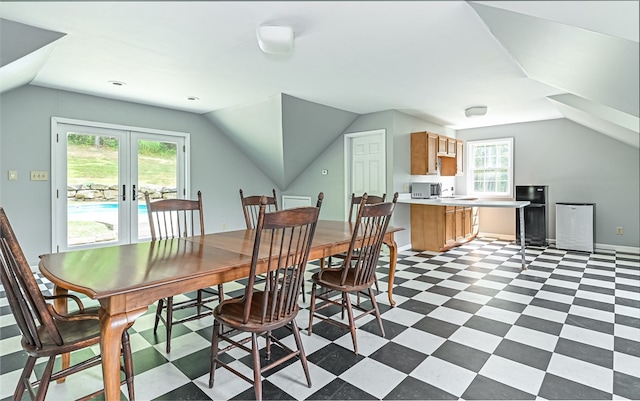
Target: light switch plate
<point>39,175</point>
<point>13,175</point>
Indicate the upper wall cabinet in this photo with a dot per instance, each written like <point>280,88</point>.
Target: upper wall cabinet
<point>430,152</point>
<point>453,165</point>
<point>424,153</point>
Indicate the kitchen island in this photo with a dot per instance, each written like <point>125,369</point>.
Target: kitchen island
<point>443,223</point>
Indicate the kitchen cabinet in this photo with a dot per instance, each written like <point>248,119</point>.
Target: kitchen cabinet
<point>452,148</point>
<point>450,166</point>
<point>432,153</point>
<point>439,228</point>
<point>459,157</point>
<point>424,153</point>
<point>442,146</point>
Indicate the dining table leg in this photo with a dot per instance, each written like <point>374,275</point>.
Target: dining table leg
<point>393,258</point>
<point>522,239</point>
<point>60,305</point>
<point>111,329</point>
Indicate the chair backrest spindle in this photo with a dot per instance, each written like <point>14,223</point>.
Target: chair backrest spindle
<point>371,225</point>
<point>175,218</point>
<point>281,250</point>
<point>251,207</point>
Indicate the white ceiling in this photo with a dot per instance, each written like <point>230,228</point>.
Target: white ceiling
<point>524,60</point>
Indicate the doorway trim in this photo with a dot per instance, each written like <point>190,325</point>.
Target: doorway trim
<point>348,157</point>
<point>55,179</point>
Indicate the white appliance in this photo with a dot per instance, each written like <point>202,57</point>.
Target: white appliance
<point>425,190</point>
<point>575,228</point>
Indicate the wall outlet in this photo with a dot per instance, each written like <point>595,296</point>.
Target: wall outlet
<point>13,175</point>
<point>405,188</point>
<point>224,226</point>
<point>39,175</point>
<point>619,230</point>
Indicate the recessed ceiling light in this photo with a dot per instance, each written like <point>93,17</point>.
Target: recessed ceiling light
<point>193,98</point>
<point>117,83</point>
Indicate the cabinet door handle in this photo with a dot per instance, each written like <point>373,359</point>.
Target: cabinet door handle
<point>133,194</point>
<point>124,192</point>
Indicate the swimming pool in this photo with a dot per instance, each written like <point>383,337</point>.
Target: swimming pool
<point>108,208</point>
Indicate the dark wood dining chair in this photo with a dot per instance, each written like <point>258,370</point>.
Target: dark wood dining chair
<point>251,207</point>
<point>45,332</point>
<point>353,213</point>
<point>177,218</point>
<point>358,269</point>
<point>280,252</point>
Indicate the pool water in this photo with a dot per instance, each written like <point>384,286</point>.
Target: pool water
<point>97,208</point>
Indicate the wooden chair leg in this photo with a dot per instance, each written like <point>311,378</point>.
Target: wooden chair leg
<point>44,380</point>
<point>158,314</point>
<point>199,302</point>
<point>220,293</point>
<point>24,383</point>
<point>128,364</point>
<point>169,322</point>
<point>301,354</point>
<point>214,352</point>
<point>352,323</point>
<point>257,374</point>
<point>312,307</point>
<point>375,306</point>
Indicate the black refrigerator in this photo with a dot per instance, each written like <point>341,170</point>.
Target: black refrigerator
<point>535,215</point>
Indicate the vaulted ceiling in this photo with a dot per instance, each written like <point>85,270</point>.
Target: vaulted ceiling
<point>524,60</point>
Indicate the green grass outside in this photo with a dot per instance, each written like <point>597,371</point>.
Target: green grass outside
<point>88,164</point>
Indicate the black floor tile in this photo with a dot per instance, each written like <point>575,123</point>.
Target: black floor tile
<point>414,389</point>
<point>524,354</point>
<point>483,388</point>
<point>558,388</point>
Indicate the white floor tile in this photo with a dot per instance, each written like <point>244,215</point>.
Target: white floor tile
<point>373,377</point>
<point>582,372</point>
<point>513,374</point>
<point>444,375</point>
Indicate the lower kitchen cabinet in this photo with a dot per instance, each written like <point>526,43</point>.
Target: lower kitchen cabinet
<point>439,228</point>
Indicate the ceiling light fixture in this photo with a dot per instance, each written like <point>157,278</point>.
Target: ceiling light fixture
<point>117,83</point>
<point>193,98</point>
<point>274,39</point>
<point>475,111</point>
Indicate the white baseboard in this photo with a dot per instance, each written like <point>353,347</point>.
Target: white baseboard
<point>507,237</point>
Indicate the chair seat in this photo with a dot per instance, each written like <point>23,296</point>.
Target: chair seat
<point>230,313</point>
<point>332,279</point>
<point>72,333</point>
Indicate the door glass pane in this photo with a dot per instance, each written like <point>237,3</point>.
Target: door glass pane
<point>92,188</point>
<point>157,174</point>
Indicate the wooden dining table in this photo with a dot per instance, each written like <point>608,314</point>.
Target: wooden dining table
<point>126,279</point>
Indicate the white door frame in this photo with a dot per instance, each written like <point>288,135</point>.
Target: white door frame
<point>59,173</point>
<point>348,153</point>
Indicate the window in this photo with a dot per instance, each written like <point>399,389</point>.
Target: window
<point>490,168</point>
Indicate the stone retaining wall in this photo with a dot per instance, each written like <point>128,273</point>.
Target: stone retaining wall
<point>110,193</point>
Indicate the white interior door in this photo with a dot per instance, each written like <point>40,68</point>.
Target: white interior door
<point>100,174</point>
<point>365,169</point>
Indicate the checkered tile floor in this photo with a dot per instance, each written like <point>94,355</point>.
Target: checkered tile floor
<point>468,324</point>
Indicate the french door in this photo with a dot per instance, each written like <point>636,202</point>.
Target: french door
<point>101,173</point>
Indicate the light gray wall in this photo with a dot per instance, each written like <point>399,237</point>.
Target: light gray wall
<point>579,165</point>
<point>398,128</point>
<point>218,168</point>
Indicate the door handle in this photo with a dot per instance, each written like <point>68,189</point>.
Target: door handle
<point>124,193</point>
<point>133,194</point>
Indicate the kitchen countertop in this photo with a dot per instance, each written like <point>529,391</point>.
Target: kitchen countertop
<point>406,198</point>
